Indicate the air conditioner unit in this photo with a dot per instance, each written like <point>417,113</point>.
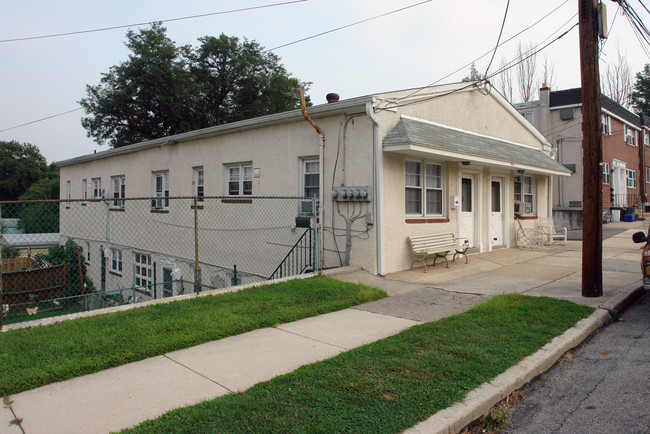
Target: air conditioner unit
<point>519,206</point>
<point>157,203</point>
<point>628,139</point>
<point>306,208</point>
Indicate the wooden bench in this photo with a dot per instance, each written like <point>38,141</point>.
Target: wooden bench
<point>436,246</point>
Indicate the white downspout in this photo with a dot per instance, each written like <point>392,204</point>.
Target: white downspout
<point>379,183</point>
<point>321,163</point>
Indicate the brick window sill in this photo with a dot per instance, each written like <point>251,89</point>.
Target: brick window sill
<point>426,220</point>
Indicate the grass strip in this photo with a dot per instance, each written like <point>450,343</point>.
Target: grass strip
<point>37,356</point>
<point>392,384</point>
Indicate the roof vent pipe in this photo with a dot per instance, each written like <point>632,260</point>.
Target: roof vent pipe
<point>332,97</point>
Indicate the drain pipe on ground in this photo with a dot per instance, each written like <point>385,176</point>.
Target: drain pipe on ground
<point>321,147</point>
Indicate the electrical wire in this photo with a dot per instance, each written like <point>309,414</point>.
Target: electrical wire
<point>264,51</point>
<point>509,65</point>
<point>487,52</point>
<point>533,50</point>
<point>638,26</point>
<point>648,11</point>
<point>40,120</point>
<point>503,23</point>
<point>534,53</point>
<point>348,25</point>
<point>103,29</point>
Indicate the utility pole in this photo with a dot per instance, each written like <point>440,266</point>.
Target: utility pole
<point>592,199</point>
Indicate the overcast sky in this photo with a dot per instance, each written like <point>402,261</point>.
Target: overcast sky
<point>406,49</point>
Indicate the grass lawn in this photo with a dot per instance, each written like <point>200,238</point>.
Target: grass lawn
<point>392,384</point>
<point>36,356</point>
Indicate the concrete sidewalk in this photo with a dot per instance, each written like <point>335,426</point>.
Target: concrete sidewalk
<point>124,396</point>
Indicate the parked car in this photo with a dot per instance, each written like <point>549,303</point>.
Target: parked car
<point>640,237</point>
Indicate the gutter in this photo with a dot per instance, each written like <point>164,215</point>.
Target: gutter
<point>379,182</point>
<point>351,106</point>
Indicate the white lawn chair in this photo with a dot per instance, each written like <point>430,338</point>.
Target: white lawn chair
<point>529,238</point>
<point>552,234</point>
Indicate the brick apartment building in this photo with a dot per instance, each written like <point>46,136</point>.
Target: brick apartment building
<point>625,146</point>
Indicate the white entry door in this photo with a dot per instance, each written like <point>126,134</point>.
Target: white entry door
<point>496,212</point>
<point>467,212</point>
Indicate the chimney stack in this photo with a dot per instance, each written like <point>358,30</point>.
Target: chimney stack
<point>332,97</point>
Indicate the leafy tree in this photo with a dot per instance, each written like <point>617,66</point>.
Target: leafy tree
<point>69,254</point>
<point>9,252</point>
<point>164,89</point>
<point>142,98</point>
<point>474,75</point>
<point>640,97</point>
<point>21,164</point>
<point>39,217</point>
<point>45,188</point>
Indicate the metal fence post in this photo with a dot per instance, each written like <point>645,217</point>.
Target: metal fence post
<point>2,305</point>
<point>196,245</point>
<point>317,237</point>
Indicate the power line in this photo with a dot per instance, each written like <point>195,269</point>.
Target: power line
<point>486,80</point>
<point>348,25</point>
<point>270,49</point>
<point>40,120</point>
<point>498,39</point>
<point>486,53</point>
<point>103,29</point>
<point>533,51</point>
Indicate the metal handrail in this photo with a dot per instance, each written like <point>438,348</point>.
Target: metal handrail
<point>299,259</point>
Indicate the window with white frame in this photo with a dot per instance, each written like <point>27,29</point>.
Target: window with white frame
<point>310,178</point>
<point>240,180</point>
<point>606,124</point>
<point>119,191</point>
<point>606,173</point>
<point>629,135</point>
<point>97,188</point>
<point>116,261</point>
<point>143,272</point>
<point>525,194</point>
<point>88,252</point>
<point>199,191</point>
<point>646,138</point>
<point>84,189</point>
<point>647,175</point>
<point>424,189</point>
<point>528,116</point>
<point>630,178</point>
<point>68,190</point>
<point>161,190</point>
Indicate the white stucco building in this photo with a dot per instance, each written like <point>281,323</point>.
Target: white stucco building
<point>453,158</point>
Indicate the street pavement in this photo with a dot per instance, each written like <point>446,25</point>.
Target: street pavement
<point>603,386</point>
<point>121,397</point>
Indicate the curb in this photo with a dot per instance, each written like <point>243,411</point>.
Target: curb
<point>478,402</point>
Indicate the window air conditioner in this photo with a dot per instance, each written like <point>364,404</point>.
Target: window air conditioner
<point>156,204</point>
<point>306,208</point>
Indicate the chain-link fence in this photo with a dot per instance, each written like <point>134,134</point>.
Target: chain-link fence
<point>61,257</point>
